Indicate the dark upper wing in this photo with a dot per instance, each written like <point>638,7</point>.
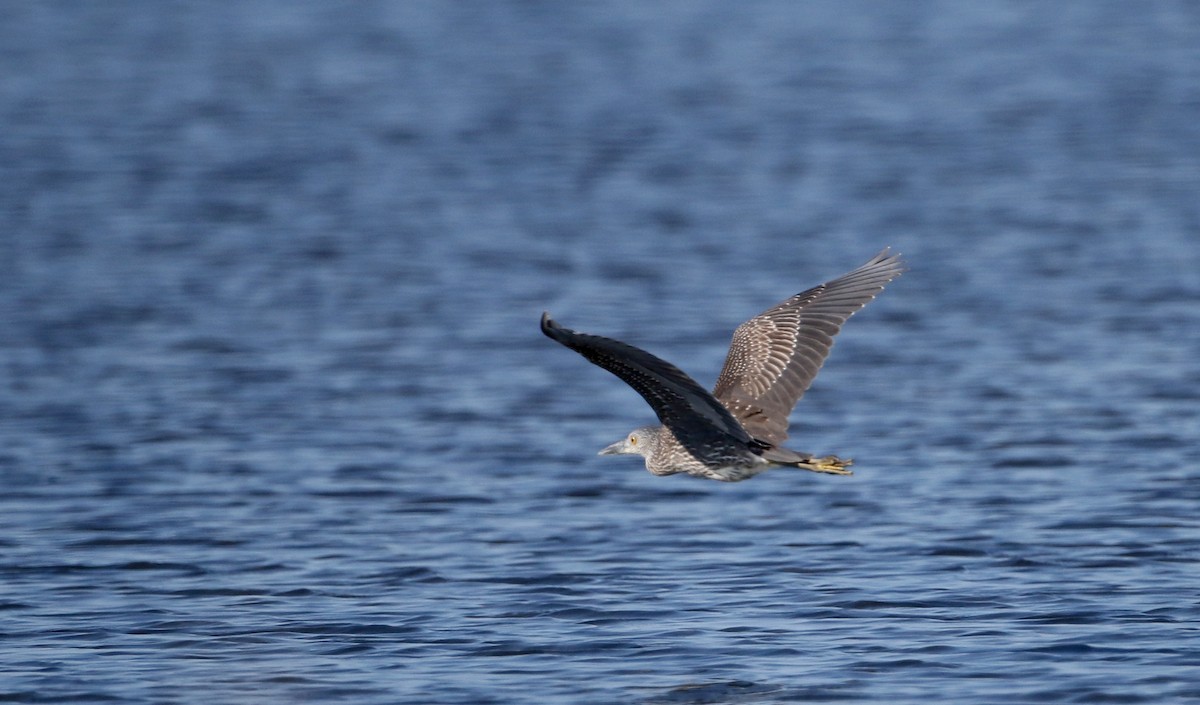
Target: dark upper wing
<point>700,422</point>
<point>775,355</point>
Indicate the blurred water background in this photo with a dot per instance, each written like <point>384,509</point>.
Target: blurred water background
<point>277,424</point>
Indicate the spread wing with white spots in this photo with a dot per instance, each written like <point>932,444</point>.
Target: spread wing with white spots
<point>775,355</point>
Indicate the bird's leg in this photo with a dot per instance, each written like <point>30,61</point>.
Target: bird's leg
<point>830,464</point>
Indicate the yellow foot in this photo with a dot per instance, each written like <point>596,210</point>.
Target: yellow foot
<point>831,464</point>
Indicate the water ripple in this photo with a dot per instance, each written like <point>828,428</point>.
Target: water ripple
<point>278,425</point>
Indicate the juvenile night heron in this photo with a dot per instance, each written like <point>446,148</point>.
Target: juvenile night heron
<point>735,433</point>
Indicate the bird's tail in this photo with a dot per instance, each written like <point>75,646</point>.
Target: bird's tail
<point>830,464</point>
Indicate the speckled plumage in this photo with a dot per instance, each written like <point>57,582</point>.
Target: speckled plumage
<point>735,432</point>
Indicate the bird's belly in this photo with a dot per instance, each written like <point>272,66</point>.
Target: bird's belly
<point>728,473</point>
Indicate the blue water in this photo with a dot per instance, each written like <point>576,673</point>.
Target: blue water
<point>277,423</point>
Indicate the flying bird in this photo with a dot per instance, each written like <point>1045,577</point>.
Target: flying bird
<point>736,432</point>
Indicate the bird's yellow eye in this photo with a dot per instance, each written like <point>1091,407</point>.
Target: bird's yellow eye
<point>633,440</point>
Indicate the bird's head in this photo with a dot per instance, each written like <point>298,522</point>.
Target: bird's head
<point>640,441</point>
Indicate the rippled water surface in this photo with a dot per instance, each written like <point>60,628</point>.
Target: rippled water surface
<point>277,423</point>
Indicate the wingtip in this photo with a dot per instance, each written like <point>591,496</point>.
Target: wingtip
<point>549,327</point>
<point>890,259</point>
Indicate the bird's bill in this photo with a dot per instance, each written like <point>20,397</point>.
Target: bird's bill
<point>614,449</point>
